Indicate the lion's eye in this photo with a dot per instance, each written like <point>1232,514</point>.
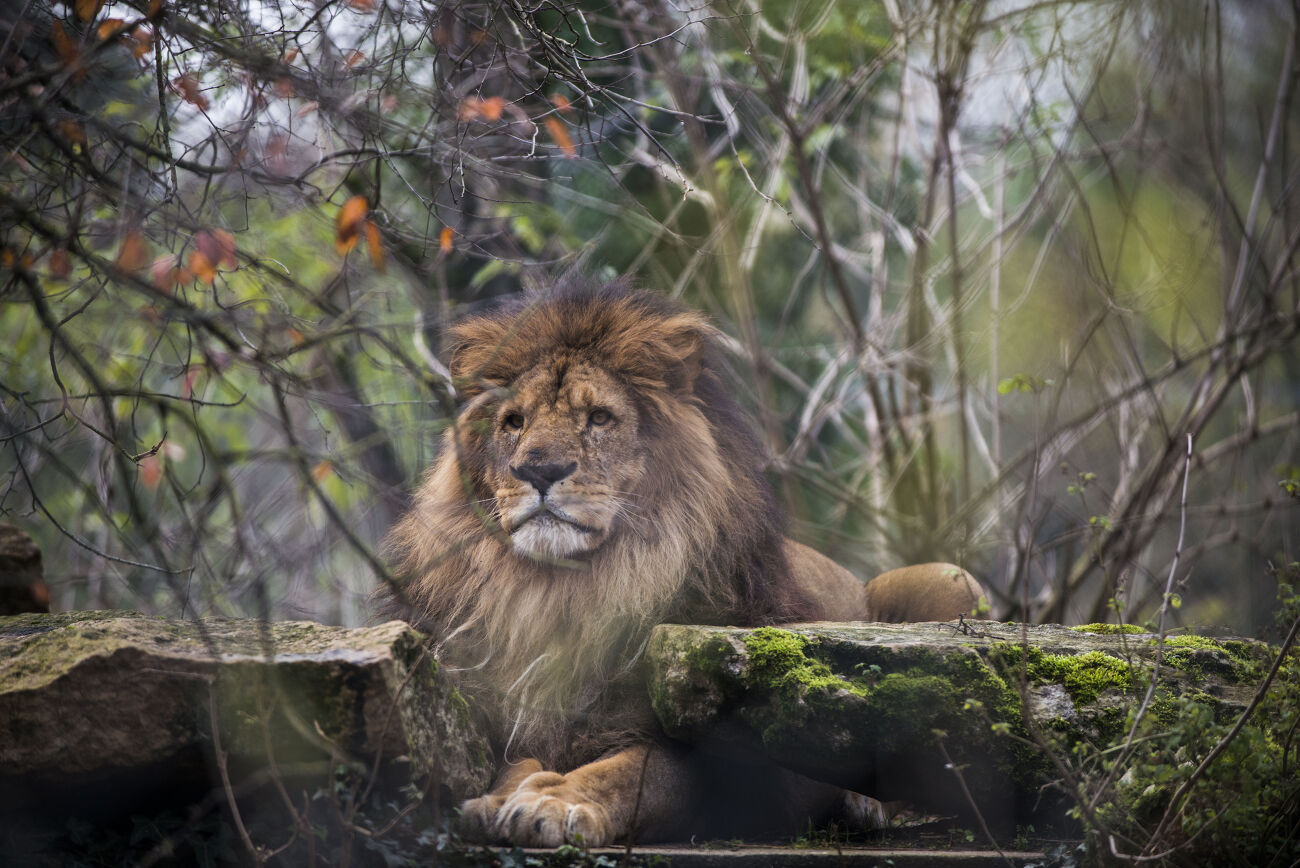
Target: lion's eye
<point>513,421</point>
<point>600,416</point>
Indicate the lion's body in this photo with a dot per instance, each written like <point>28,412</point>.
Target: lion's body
<point>599,481</point>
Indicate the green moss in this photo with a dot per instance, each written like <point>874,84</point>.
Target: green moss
<point>1109,629</point>
<point>777,659</point>
<point>1084,676</point>
<point>1233,660</point>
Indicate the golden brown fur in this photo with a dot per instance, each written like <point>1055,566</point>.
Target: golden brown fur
<point>599,481</point>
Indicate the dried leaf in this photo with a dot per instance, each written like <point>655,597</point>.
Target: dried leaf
<point>226,242</point>
<point>445,239</point>
<point>60,264</point>
<point>295,337</point>
<point>284,87</point>
<point>561,136</point>
<point>322,470</point>
<point>202,266</point>
<point>376,246</point>
<point>347,225</point>
<point>188,87</point>
<point>364,5</point>
<point>354,59</point>
<point>277,152</point>
<point>72,131</point>
<point>109,27</point>
<point>134,253</point>
<point>88,9</point>
<point>475,108</point>
<point>561,102</point>
<point>164,273</point>
<point>151,471</point>
<point>307,108</point>
<point>290,56</point>
<point>139,41</point>
<point>155,9</point>
<point>67,50</point>
<point>218,246</point>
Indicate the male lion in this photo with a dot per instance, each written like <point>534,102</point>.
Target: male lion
<point>601,480</point>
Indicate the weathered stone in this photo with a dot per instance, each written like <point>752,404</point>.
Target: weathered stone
<point>874,707</point>
<point>94,694</point>
<point>22,581</point>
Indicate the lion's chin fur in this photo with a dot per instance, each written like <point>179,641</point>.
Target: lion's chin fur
<point>551,648</point>
<point>546,537</point>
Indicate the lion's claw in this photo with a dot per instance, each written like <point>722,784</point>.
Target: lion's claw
<point>545,810</point>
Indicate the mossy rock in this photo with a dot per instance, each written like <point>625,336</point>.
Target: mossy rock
<point>891,709</point>
<point>93,694</point>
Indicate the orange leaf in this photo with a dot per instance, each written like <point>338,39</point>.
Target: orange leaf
<point>353,59</point>
<point>307,108</point>
<point>134,252</point>
<point>290,56</point>
<point>284,87</point>
<point>445,239</point>
<point>60,265</point>
<point>188,87</point>
<point>151,471</point>
<point>110,27</point>
<point>561,102</point>
<point>64,46</point>
<point>202,267</point>
<point>8,259</point>
<point>347,225</point>
<point>72,131</point>
<point>322,469</point>
<point>363,5</point>
<point>376,246</point>
<point>472,107</point>
<point>88,9</point>
<point>295,337</point>
<point>139,41</point>
<point>561,136</point>
<point>155,9</point>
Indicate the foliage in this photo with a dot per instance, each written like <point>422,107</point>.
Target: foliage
<point>985,267</point>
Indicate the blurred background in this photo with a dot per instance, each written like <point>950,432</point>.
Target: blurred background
<point>1013,284</point>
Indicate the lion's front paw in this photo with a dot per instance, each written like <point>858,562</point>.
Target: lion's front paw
<point>478,818</point>
<point>547,810</point>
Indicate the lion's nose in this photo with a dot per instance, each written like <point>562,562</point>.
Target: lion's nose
<point>543,476</point>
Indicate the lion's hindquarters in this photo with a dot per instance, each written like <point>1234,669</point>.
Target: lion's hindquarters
<point>923,592</point>
<point>838,594</point>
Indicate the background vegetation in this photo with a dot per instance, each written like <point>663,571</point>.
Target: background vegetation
<point>985,268</point>
<point>1008,283</point>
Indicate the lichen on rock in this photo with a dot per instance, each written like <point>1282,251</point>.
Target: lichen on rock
<point>891,710</point>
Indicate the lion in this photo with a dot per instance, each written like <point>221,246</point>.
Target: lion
<point>601,479</point>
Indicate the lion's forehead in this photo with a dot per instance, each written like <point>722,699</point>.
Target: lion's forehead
<point>566,387</point>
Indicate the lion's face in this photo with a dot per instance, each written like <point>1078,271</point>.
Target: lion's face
<point>563,458</point>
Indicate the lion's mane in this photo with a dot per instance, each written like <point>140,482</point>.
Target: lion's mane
<point>552,648</point>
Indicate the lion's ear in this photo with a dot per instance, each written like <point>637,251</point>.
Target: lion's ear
<point>477,345</point>
<point>680,342</point>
